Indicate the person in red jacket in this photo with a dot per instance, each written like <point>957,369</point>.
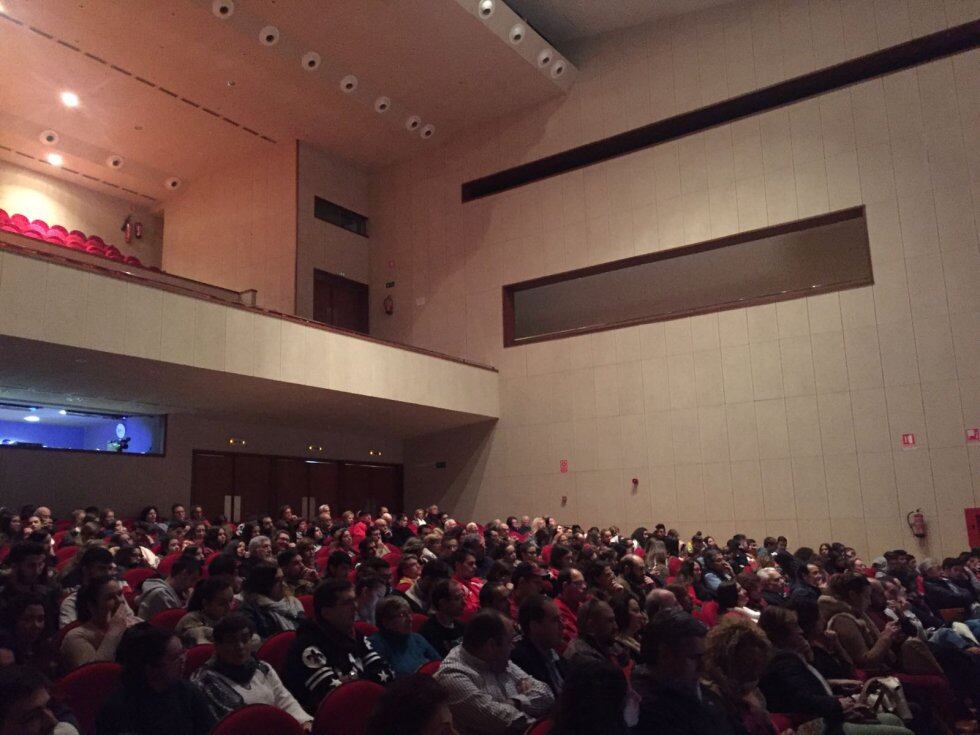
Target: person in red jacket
<point>464,572</point>
<point>572,592</point>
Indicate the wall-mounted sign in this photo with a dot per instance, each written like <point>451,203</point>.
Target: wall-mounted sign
<point>908,441</point>
<point>390,284</point>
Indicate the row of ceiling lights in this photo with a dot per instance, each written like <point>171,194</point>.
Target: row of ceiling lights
<point>51,138</point>
<point>546,58</point>
<point>269,36</point>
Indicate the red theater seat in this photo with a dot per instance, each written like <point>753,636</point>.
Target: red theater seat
<point>274,650</point>
<point>429,668</point>
<point>346,709</point>
<point>541,727</point>
<point>418,620</point>
<point>365,628</point>
<point>168,619</point>
<point>20,221</point>
<point>86,689</point>
<point>258,719</point>
<point>166,563</point>
<point>196,657</point>
<point>307,602</point>
<point>65,552</point>
<point>136,577</point>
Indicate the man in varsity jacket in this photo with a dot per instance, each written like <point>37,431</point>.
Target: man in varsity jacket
<point>328,652</point>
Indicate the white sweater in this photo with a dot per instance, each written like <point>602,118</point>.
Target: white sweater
<point>225,696</point>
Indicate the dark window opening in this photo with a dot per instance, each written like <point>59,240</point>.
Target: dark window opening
<point>803,258</point>
<point>339,216</point>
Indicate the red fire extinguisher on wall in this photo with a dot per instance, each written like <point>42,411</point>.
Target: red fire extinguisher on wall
<point>917,522</point>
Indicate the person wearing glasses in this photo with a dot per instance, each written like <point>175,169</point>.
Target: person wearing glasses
<point>404,650</point>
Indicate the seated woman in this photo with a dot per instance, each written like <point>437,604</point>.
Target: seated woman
<point>104,617</point>
<point>234,678</point>
<point>731,599</point>
<point>630,620</point>
<point>265,604</point>
<point>152,698</point>
<point>23,636</point>
<point>404,650</point>
<point>209,603</point>
<point>736,653</point>
<point>792,685</point>
<point>408,570</point>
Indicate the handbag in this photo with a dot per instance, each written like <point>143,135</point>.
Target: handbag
<point>885,694</point>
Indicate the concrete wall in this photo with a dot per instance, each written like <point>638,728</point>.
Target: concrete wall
<point>775,419</point>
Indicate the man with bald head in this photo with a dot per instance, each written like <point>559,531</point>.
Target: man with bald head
<point>658,600</point>
<point>44,515</point>
<point>633,576</point>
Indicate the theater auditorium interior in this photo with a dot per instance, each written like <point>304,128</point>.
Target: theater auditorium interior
<point>478,367</point>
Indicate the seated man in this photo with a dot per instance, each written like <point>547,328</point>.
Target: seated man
<point>167,594</point>
<point>596,640</point>
<point>418,595</point>
<point>572,591</point>
<point>25,704</point>
<point>327,651</point>
<point>488,694</point>
<point>536,653</point>
<point>443,630</point>
<point>672,700</point>
<point>29,575</point>
<point>95,561</point>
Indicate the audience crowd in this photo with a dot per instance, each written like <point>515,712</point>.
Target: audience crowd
<point>514,626</point>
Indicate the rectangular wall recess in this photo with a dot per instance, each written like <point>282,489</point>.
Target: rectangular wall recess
<point>802,258</point>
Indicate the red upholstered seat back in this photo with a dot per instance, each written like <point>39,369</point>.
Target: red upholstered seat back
<point>136,577</point>
<point>196,656</point>
<point>541,727</point>
<point>258,719</point>
<point>429,668</point>
<point>168,619</point>
<point>273,651</point>
<point>345,711</point>
<point>86,689</point>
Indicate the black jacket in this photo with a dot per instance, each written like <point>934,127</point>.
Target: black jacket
<point>321,659</point>
<point>137,710</point>
<point>530,658</point>
<point>941,594</point>
<point>669,711</point>
<point>791,688</point>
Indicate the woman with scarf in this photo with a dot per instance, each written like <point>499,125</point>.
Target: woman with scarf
<point>404,650</point>
<point>233,678</point>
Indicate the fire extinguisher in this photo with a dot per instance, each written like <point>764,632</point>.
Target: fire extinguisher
<point>917,522</point>
<point>138,230</point>
<point>389,305</point>
<point>127,229</point>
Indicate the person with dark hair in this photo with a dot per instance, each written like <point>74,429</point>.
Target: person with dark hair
<point>29,575</point>
<point>537,650</point>
<point>847,615</point>
<point>630,619</point>
<point>809,580</point>
<point>690,575</point>
<point>95,561</point>
<point>209,603</point>
<point>596,636</point>
<point>593,701</point>
<point>150,516</point>
<point>419,594</point>
<point>296,578</point>
<point>572,590</point>
<point>104,617</point>
<point>488,693</point>
<point>404,650</point>
<point>25,702</point>
<point>463,563</point>
<point>153,698</point>
<point>338,565</point>
<point>790,682</point>
<point>265,604</point>
<point>601,580</point>
<point>369,589</point>
<point>328,651</point>
<point>443,630</point>
<point>526,580</point>
<point>166,594</point>
<point>421,695</point>
<point>496,597</point>
<point>24,636</point>
<point>716,570</point>
<point>233,678</point>
<point>672,700</point>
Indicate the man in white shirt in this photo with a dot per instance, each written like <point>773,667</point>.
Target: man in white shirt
<point>488,693</point>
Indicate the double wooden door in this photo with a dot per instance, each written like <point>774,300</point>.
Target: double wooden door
<point>248,485</point>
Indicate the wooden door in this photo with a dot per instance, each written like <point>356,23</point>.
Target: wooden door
<point>253,484</point>
<point>340,302</point>
<point>367,486</point>
<point>324,487</point>
<point>291,485</point>
<point>213,482</point>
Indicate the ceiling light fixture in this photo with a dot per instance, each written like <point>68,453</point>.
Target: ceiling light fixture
<point>382,104</point>
<point>223,8</point>
<point>55,159</point>
<point>114,161</point>
<point>269,36</point>
<point>349,83</point>
<point>49,137</point>
<point>485,8</point>
<point>32,419</point>
<point>413,123</point>
<point>62,412</point>
<point>544,57</point>
<point>69,99</point>
<point>172,183</point>
<point>517,33</point>
<point>428,131</point>
<point>558,68</point>
<point>311,61</point>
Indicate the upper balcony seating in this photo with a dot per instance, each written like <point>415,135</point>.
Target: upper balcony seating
<point>58,235</point>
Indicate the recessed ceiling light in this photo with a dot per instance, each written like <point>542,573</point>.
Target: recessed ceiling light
<point>269,36</point>
<point>428,131</point>
<point>311,61</point>
<point>485,8</point>
<point>114,161</point>
<point>413,123</point>
<point>49,137</point>
<point>32,419</point>
<point>55,159</point>
<point>544,57</point>
<point>558,68</point>
<point>62,412</point>
<point>517,33</point>
<point>348,84</point>
<point>382,104</point>
<point>69,99</point>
